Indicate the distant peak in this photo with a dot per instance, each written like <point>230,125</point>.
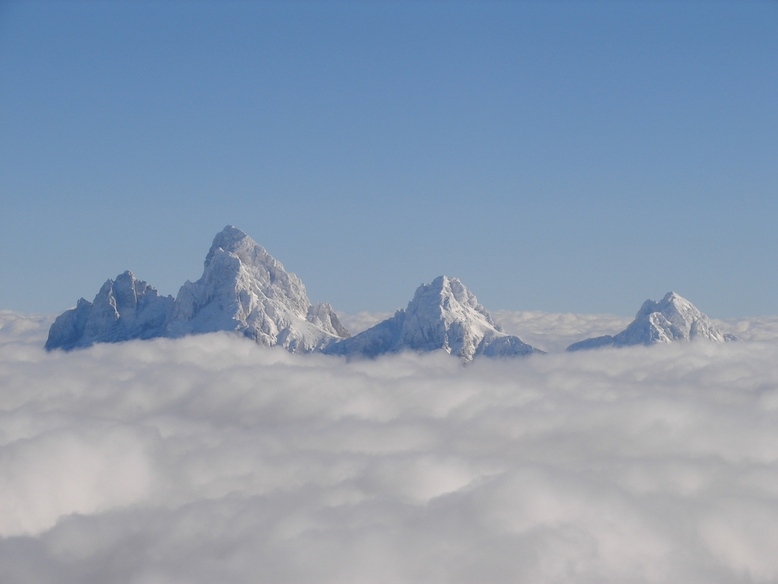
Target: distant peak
<point>671,319</point>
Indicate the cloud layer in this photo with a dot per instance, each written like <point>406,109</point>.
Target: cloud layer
<point>211,459</point>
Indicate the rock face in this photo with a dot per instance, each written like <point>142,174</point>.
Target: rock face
<point>670,320</point>
<point>443,315</point>
<point>242,289</point>
<point>125,308</point>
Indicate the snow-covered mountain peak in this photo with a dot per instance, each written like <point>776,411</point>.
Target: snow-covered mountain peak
<point>448,299</point>
<point>241,264</point>
<point>125,308</point>
<point>671,319</point>
<point>243,289</point>
<point>442,315</point>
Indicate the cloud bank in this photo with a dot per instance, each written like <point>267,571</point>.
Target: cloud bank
<point>211,459</point>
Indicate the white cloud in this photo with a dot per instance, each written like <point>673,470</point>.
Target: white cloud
<point>759,328</point>
<point>356,323</point>
<point>211,459</point>
<point>16,327</point>
<point>554,332</point>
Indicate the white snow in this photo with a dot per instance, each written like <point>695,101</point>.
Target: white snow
<point>243,289</point>
<point>672,319</point>
<point>125,308</point>
<point>443,315</point>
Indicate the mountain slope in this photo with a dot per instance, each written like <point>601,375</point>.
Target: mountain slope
<point>443,315</point>
<point>670,320</point>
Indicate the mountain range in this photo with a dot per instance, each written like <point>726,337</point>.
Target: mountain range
<point>243,289</point>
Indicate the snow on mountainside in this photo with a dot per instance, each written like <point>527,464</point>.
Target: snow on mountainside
<point>242,289</point>
<point>125,308</point>
<point>443,315</point>
<point>671,319</point>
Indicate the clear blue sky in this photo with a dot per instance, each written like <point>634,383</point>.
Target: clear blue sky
<point>559,156</point>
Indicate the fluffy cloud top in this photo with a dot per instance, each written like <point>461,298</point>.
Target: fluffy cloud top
<point>211,459</point>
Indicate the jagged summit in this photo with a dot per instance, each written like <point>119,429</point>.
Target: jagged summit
<point>125,308</point>
<point>243,289</point>
<point>442,315</point>
<point>671,319</point>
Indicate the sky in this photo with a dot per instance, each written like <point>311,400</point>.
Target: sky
<point>556,156</point>
<point>212,459</point>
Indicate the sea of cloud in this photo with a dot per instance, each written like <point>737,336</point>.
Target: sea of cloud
<point>211,459</point>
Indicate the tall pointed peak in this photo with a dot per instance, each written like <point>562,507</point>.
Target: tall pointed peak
<point>245,289</point>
